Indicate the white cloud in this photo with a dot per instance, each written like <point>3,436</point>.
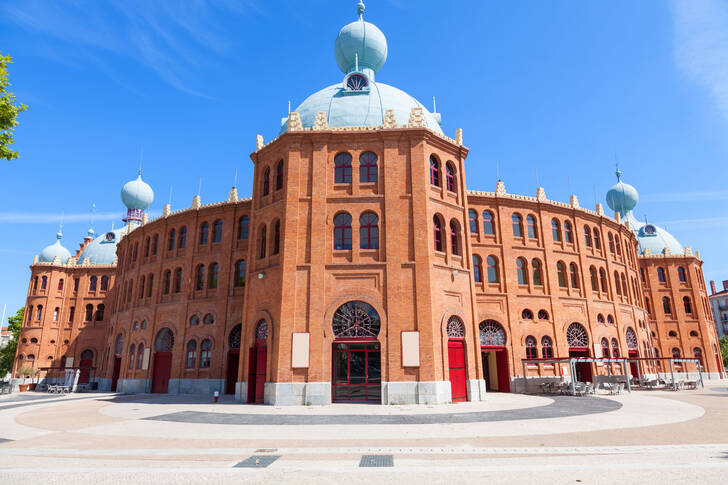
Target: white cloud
<point>701,47</point>
<point>686,196</point>
<point>704,222</point>
<point>36,218</point>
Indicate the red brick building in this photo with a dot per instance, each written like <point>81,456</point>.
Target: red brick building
<point>362,269</point>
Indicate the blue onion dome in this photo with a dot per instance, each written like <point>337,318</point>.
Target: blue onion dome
<point>137,194</point>
<point>55,250</point>
<point>622,197</point>
<point>360,43</point>
<point>102,250</point>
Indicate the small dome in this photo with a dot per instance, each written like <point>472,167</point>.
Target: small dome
<point>50,252</point>
<point>622,197</point>
<point>102,250</point>
<point>137,194</point>
<point>361,40</point>
<point>654,238</point>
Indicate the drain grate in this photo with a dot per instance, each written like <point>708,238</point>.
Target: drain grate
<point>376,460</point>
<point>266,450</point>
<point>257,461</point>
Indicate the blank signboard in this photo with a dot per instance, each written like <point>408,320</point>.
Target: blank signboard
<point>410,349</point>
<point>299,353</point>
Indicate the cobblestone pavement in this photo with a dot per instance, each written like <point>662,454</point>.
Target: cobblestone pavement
<point>643,437</point>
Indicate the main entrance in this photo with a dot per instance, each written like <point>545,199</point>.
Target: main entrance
<point>578,341</point>
<point>162,361</point>
<point>356,363</point>
<point>456,359</point>
<point>87,359</point>
<point>495,356</point>
<point>257,363</point>
<point>231,375</point>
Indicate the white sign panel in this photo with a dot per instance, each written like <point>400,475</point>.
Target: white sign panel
<point>410,349</point>
<point>145,361</point>
<point>300,351</point>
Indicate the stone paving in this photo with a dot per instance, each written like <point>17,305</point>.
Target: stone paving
<point>643,437</point>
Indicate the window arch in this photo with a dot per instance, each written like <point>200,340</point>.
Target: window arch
<point>597,239</point>
<point>517,225</point>
<point>44,283</point>
<point>616,283</point>
<point>239,280</point>
<point>568,233</point>
<point>276,246</point>
<point>150,285</point>
<point>526,314</point>
<point>603,279</point>
<point>164,341</point>
<point>147,246</point>
<point>522,271</point>
<point>92,283</point>
<point>472,221</point>
<point>556,230</point>
<point>631,339</point>
<point>625,290</point>
<point>675,353</point>
<point>438,234</point>
<point>166,282</point>
<point>140,356</point>
<point>212,276</point>
<point>543,315</point>
<point>200,277</point>
<point>455,237</point>
<point>672,333</point>
<point>191,354</point>
<point>574,273</point>
<point>661,275</point>
<point>450,184</point>
<point>208,319</point>
<point>531,229</point>
<point>194,320</point>
<point>205,353</point>
<point>356,319</point>
<point>600,318</point>
<point>204,232</point>
<point>60,284</point>
<point>492,334</point>
<point>477,269</point>
<point>261,331</point>
<point>666,305</point>
<point>262,242</point>
<point>243,227</point>
<point>493,270</point>
<point>104,283</point>
<point>100,312</point>
<point>455,328</point>
<point>587,237</point>
<point>537,273</point>
<point>615,348</point>
<point>155,244</point>
<point>235,336</point>
<point>171,239</point>
<point>618,244</point>
<point>178,280</point>
<point>368,171</point>
<point>561,274</point>
<point>488,223</point>
<point>342,231</point>
<point>687,305</point>
<point>369,231</point>
<point>610,319</point>
<point>217,231</point>
<point>266,181</point>
<point>89,312</point>
<point>547,348</point>
<point>182,240</point>
<point>279,175</point>
<point>593,278</point>
<point>576,336</point>
<point>342,168</point>
<point>531,350</point>
<point>142,281</point>
<point>131,356</point>
<point>681,274</point>
<point>605,348</point>
<point>698,353</point>
<point>434,171</point>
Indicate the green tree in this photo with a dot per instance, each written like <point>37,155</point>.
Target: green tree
<point>7,354</point>
<point>724,349</point>
<point>9,110</point>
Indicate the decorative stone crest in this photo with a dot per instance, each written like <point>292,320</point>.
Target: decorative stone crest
<point>500,189</point>
<point>417,118</point>
<point>321,123</point>
<point>233,196</point>
<point>647,252</point>
<point>574,202</point>
<point>258,142</point>
<point>617,218</point>
<point>196,202</point>
<point>600,209</point>
<point>145,218</point>
<point>688,251</point>
<point>540,194</point>
<point>666,251</point>
<point>294,122</point>
<point>459,136</point>
<point>390,120</point>
<point>167,210</point>
<point>697,254</point>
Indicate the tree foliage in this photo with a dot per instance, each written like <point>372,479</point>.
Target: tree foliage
<point>9,110</point>
<point>724,349</point>
<point>7,354</point>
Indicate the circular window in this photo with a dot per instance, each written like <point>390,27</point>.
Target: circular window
<point>164,341</point>
<point>576,336</point>
<point>261,330</point>
<point>492,334</point>
<point>25,341</point>
<point>194,320</point>
<point>65,342</point>
<point>650,230</point>
<point>53,342</point>
<point>527,314</point>
<point>209,319</point>
<point>631,339</point>
<point>455,328</point>
<point>543,315</point>
<point>356,319</point>
<point>110,236</point>
<point>356,82</point>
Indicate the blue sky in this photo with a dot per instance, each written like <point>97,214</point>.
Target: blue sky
<point>547,90</point>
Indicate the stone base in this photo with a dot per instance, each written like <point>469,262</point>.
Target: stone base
<point>413,392</point>
<point>241,392</point>
<point>133,386</point>
<point>196,386</point>
<point>297,393</point>
<point>476,389</point>
<point>104,384</point>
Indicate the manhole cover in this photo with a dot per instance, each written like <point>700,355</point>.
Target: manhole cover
<point>257,461</point>
<point>266,450</point>
<point>376,460</point>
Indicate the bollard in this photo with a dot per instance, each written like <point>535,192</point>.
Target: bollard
<point>216,395</point>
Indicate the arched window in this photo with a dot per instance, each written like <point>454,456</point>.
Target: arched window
<point>279,175</point>
<point>672,333</point>
<point>587,236</point>
<point>568,234</point>
<point>698,353</point>
<point>522,271</point>
<point>356,319</point>
<point>141,287</point>
<point>342,231</point>
<point>473,221</point>
<point>439,236</point>
<point>450,177</point>
<point>681,274</point>
<point>100,312</point>
<point>261,331</point>
<point>666,305</point>
<point>171,239</point>
<point>234,336</point>
<point>205,353</point>
<point>625,290</point>
<point>178,280</point>
<point>492,334</point>
<point>217,231</point>
<point>600,318</point>
<point>543,315</point>
<point>616,284</point>
<point>44,283</point>
<point>675,353</point>
<point>261,242</point>
<point>642,275</point>
<point>537,273</point>
<point>531,350</point>
<point>182,237</point>
<point>561,274</point>
<point>517,225</point>
<point>266,181</point>
<point>104,283</point>
<point>166,282</point>
<point>631,339</point>
<point>594,279</point>
<point>597,239</point>
<point>35,283</point>
<point>555,230</point>
<point>276,237</point>
<point>92,283</point>
<point>60,284</point>
<point>488,227</point>
<point>164,341</point>
<point>140,356</point>
<point>243,227</point>
<point>493,272</point>
<point>191,354</point>
<point>155,244</point>
<point>647,305</point>
<point>455,328</point>
<point>147,246</point>
<point>342,168</point>
<point>688,305</point>
<point>194,320</point>
<point>150,285</point>
<point>204,232</point>
<point>368,167</point>
<point>477,269</point>
<point>71,313</point>
<point>239,277</point>
<point>605,348</point>
<point>434,171</point>
<point>618,244</point>
<point>603,279</point>
<point>455,237</point>
<point>134,252</point>
<point>369,231</point>
<point>577,337</point>
<point>574,273</point>
<point>526,314</point>
<point>661,275</point>
<point>531,227</point>
<point>89,312</point>
<point>611,243</point>
<point>547,348</point>
<point>200,277</point>
<point>131,356</point>
<point>212,276</point>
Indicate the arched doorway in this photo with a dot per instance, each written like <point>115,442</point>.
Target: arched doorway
<point>118,349</point>
<point>231,376</point>
<point>578,341</point>
<point>495,356</point>
<point>257,360</point>
<point>456,359</point>
<point>87,361</point>
<point>356,366</point>
<point>632,351</point>
<point>163,345</point>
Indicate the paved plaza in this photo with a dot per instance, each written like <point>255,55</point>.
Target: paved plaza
<point>642,437</point>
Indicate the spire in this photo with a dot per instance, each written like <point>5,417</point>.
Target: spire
<point>618,173</point>
<point>360,9</point>
<point>59,234</point>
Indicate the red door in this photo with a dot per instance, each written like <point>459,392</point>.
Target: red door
<point>633,354</point>
<point>504,379</point>
<point>583,369</point>
<point>256,374</point>
<point>232,371</point>
<point>162,371</point>
<point>85,374</point>
<point>115,375</point>
<point>456,358</point>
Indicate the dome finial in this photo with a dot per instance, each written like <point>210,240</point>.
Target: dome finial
<point>619,173</point>
<point>360,9</point>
